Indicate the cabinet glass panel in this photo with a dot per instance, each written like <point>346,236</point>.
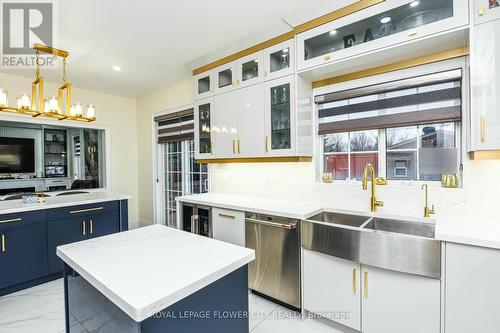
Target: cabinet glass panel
<point>279,60</point>
<point>250,70</point>
<point>204,222</point>
<point>205,129</point>
<point>204,85</point>
<point>225,78</point>
<point>406,17</point>
<point>280,117</point>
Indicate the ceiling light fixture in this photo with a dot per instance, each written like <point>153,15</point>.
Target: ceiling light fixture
<point>333,32</point>
<point>117,68</point>
<point>385,20</point>
<point>52,107</point>
<point>414,4</point>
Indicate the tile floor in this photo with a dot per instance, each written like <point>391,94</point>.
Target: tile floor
<point>41,309</point>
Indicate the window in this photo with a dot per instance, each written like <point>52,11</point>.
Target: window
<point>408,129</point>
<point>182,175</point>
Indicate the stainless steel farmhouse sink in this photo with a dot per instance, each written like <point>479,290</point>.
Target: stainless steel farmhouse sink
<point>397,245</point>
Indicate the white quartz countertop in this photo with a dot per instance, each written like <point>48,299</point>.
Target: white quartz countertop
<point>145,270</point>
<point>16,206</point>
<point>284,208</point>
<point>461,223</point>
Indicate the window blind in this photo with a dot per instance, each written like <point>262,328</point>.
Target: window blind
<point>176,126</point>
<point>428,99</point>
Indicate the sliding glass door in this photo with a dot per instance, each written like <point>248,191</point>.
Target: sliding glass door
<point>182,175</point>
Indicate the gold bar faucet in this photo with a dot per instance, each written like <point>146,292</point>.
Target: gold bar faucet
<point>374,203</point>
<point>427,211</point>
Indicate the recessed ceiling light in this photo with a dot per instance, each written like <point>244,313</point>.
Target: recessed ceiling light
<point>117,68</point>
<point>385,20</point>
<point>333,32</point>
<point>414,3</point>
<point>285,50</point>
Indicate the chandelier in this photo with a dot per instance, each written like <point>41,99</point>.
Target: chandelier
<point>53,107</point>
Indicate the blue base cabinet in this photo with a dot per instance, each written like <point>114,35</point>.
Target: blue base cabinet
<point>23,248</point>
<point>28,240</point>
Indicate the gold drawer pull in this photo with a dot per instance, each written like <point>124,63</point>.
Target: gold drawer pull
<point>234,148</point>
<point>366,285</point>
<point>354,284</point>
<point>328,57</point>
<point>227,216</point>
<point>265,72</point>
<point>412,33</point>
<point>84,229</point>
<point>483,124</point>
<point>239,151</point>
<point>3,244</point>
<point>267,144</point>
<point>11,220</point>
<point>481,10</point>
<point>91,227</point>
<point>86,210</point>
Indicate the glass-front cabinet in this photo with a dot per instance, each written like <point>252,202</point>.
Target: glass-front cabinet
<point>388,23</point>
<point>225,78</point>
<point>250,70</point>
<point>203,85</point>
<point>279,114</point>
<point>203,128</point>
<point>279,60</point>
<point>486,10</point>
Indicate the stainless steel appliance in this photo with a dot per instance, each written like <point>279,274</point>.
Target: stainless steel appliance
<point>196,219</point>
<point>276,270</point>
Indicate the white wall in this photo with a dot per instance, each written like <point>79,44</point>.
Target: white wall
<point>118,113</point>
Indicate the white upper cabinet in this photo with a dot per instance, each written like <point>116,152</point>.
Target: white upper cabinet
<point>250,70</point>
<point>486,10</point>
<point>251,138</point>
<point>204,85</point>
<point>225,78</point>
<point>386,24</point>
<point>203,125</point>
<point>225,125</point>
<point>280,116</point>
<point>279,60</point>
<point>485,87</point>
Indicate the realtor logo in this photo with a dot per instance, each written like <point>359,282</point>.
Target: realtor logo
<point>23,25</point>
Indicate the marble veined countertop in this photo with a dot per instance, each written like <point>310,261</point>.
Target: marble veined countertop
<point>145,270</point>
<point>462,223</point>
<point>16,206</point>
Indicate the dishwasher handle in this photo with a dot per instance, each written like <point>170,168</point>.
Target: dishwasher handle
<point>272,224</point>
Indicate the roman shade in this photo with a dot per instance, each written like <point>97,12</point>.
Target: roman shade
<point>435,98</point>
<point>175,126</point>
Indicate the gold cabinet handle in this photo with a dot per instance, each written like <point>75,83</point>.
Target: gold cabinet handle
<point>212,147</point>
<point>239,151</point>
<point>483,124</point>
<point>265,72</point>
<point>3,244</point>
<point>328,57</point>
<point>227,216</point>
<point>412,33</point>
<point>86,210</point>
<point>267,144</point>
<point>481,10</point>
<point>11,220</point>
<point>366,285</point>
<point>354,284</point>
<point>84,229</point>
<point>91,227</point>
<point>234,149</point>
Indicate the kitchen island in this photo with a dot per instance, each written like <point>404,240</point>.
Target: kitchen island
<point>155,279</point>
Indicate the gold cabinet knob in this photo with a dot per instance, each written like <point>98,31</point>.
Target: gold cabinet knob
<point>481,10</point>
<point>328,57</point>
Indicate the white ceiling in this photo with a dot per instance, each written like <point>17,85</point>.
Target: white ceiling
<point>152,40</point>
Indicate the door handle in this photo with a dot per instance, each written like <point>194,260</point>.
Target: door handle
<point>239,151</point>
<point>3,244</point>
<point>234,148</point>
<point>354,284</point>
<point>11,220</point>
<point>91,227</point>
<point>84,228</point>
<point>366,285</point>
<point>483,125</point>
<point>267,144</point>
<point>227,216</point>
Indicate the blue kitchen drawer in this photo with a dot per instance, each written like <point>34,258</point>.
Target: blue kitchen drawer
<point>24,218</point>
<point>82,210</point>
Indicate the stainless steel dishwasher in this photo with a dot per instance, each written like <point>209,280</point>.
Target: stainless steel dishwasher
<point>276,270</point>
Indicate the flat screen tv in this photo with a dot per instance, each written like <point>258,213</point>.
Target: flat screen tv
<point>17,155</point>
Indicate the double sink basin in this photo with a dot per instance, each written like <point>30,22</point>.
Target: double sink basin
<point>399,245</point>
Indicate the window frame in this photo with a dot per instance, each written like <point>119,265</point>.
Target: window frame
<point>461,128</point>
